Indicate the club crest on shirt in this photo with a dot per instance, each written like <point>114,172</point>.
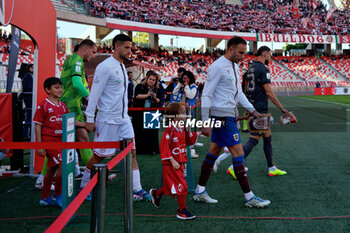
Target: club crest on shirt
<point>175,139</point>
<point>229,78</point>
<point>50,110</point>
<point>236,137</point>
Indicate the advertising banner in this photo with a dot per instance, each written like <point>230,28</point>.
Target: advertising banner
<point>286,38</point>
<point>344,39</point>
<point>68,160</point>
<point>6,131</point>
<point>325,91</point>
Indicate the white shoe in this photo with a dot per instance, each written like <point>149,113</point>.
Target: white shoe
<point>112,176</point>
<point>39,185</point>
<point>216,164</point>
<point>204,197</point>
<point>198,144</point>
<point>193,154</point>
<point>256,202</point>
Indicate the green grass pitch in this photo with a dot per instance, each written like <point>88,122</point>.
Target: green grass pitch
<point>312,197</point>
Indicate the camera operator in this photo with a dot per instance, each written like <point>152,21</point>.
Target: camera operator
<point>173,82</point>
<point>186,89</point>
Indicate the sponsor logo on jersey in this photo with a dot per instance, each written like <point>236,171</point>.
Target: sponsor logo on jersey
<point>177,150</point>
<point>54,119</point>
<point>229,78</point>
<point>58,131</point>
<point>77,69</point>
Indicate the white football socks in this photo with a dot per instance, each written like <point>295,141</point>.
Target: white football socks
<point>136,180</point>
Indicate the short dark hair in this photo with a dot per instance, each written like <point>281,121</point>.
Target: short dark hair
<point>181,70</point>
<point>120,38</point>
<point>51,81</point>
<point>262,49</point>
<point>29,66</point>
<point>129,72</point>
<point>86,42</point>
<point>236,40</point>
<point>190,76</point>
<point>76,48</point>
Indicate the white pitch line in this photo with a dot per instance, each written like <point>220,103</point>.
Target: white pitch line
<point>325,101</point>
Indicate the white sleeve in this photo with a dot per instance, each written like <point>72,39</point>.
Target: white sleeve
<point>98,85</point>
<point>190,93</point>
<point>177,89</point>
<point>210,85</point>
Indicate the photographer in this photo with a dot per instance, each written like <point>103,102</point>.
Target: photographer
<point>173,82</point>
<point>186,89</point>
<point>147,95</point>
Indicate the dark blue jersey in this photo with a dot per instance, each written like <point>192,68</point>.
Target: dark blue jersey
<point>253,83</point>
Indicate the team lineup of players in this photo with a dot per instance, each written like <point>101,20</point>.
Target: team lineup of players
<point>221,95</point>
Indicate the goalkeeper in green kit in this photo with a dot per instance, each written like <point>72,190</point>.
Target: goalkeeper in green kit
<point>75,88</point>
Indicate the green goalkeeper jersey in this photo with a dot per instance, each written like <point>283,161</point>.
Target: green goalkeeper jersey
<point>73,66</point>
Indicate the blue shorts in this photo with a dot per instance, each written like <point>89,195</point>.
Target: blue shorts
<point>227,134</point>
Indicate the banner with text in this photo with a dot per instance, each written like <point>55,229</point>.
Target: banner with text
<point>345,39</point>
<point>286,38</point>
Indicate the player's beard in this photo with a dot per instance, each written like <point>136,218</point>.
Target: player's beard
<point>267,62</point>
<point>124,57</point>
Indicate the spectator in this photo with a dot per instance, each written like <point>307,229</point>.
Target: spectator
<point>27,84</point>
<point>318,84</point>
<point>146,95</point>
<point>220,16</point>
<point>130,89</point>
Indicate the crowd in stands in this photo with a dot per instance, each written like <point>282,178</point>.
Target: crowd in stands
<point>265,16</point>
<point>305,68</point>
<point>5,42</point>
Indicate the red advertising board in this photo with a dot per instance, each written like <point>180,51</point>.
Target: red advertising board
<point>6,131</point>
<point>325,91</point>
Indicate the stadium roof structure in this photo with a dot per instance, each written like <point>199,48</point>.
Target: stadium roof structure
<point>262,37</point>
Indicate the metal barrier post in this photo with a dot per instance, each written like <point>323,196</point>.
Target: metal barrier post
<point>98,204</point>
<point>128,192</point>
